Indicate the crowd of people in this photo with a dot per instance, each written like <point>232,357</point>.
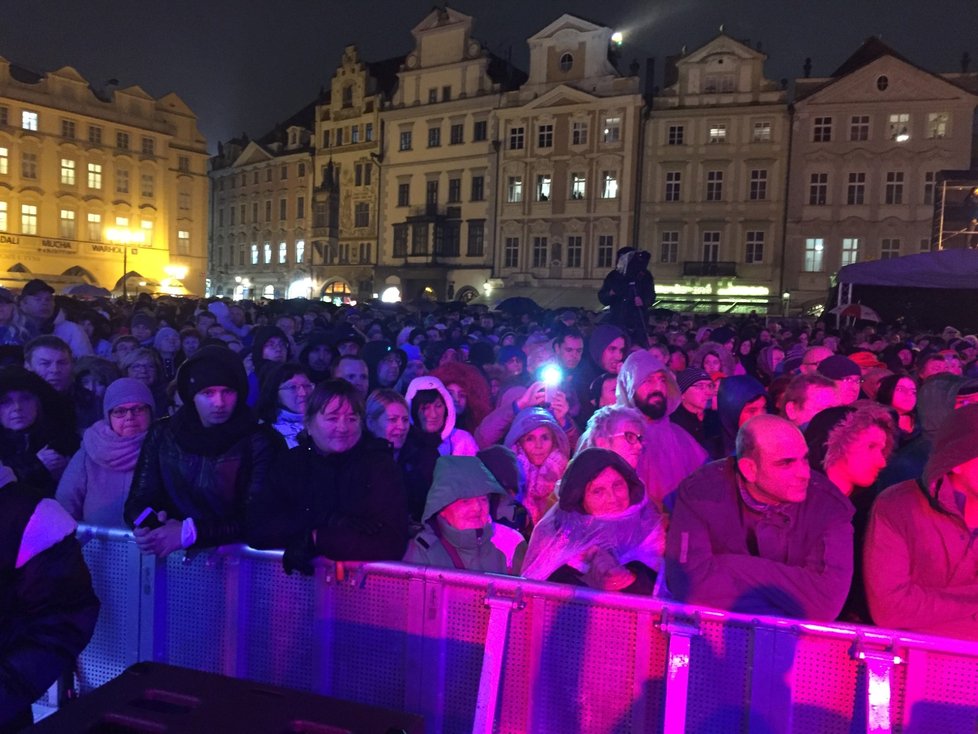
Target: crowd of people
<point>789,468</point>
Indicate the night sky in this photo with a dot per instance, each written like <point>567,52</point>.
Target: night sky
<point>243,65</point>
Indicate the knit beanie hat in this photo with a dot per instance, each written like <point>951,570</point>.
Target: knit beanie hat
<point>722,335</point>
<point>955,443</point>
<point>689,377</point>
<point>838,367</point>
<point>126,390</point>
<point>210,366</point>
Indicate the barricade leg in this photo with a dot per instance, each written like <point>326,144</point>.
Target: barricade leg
<point>501,607</point>
<point>879,677</point>
<point>771,680</point>
<point>677,674</point>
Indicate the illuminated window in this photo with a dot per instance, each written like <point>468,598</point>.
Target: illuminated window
<point>28,120</point>
<point>898,128</point>
<point>94,227</point>
<point>850,251</point>
<point>66,224</point>
<point>814,252</point>
<point>4,161</point>
<point>514,189</point>
<point>937,125</point>
<point>761,131</point>
<point>28,219</point>
<point>267,251</point>
<point>254,253</point>
<point>611,130</point>
<point>95,175</point>
<point>544,182</point>
<point>3,216</point>
<point>718,132</point>
<point>578,186</point>
<point>122,221</point>
<point>300,251</point>
<point>609,184</point>
<point>283,253</point>
<point>183,241</point>
<point>67,172</point>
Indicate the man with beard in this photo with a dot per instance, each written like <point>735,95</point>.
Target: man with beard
<point>669,453</point>
<point>760,532</point>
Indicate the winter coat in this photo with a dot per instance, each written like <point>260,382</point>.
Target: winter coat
<point>48,609</point>
<point>96,482</point>
<point>213,490</point>
<point>354,500</point>
<point>669,453</point>
<point>494,548</point>
<point>541,481</point>
<point>921,559</point>
<point>732,553</point>
<point>454,441</point>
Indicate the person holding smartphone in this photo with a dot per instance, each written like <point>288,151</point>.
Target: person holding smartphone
<point>198,467</point>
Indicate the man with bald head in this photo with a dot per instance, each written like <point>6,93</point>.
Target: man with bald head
<point>812,358</point>
<point>759,532</point>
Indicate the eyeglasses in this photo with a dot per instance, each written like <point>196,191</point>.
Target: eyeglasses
<point>142,366</point>
<point>301,387</point>
<point>631,437</point>
<point>852,380</point>
<point>136,411</point>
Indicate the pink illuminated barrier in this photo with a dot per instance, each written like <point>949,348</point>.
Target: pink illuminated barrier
<point>483,653</point>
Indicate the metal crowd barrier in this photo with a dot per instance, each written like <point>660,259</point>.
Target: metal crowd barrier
<point>484,653</point>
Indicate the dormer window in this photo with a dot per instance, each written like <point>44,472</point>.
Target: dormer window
<point>566,62</point>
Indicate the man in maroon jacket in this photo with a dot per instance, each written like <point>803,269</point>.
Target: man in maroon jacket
<point>760,533</point>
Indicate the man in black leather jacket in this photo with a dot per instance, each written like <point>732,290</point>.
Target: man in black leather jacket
<point>198,467</point>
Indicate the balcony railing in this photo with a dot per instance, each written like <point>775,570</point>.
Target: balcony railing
<point>710,268</point>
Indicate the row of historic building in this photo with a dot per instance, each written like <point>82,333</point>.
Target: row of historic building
<point>449,173</point>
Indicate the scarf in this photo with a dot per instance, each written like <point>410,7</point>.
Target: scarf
<point>108,449</point>
<point>290,425</point>
<point>540,482</point>
<point>192,437</point>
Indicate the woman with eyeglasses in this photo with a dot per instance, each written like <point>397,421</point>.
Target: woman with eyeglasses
<point>617,428</point>
<point>604,532</point>
<point>96,482</point>
<point>282,400</point>
<point>145,365</point>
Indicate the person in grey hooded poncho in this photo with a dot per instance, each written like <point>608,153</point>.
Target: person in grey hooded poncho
<point>669,453</point>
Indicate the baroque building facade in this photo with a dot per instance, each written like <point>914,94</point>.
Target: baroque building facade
<point>868,144</point>
<point>261,193</point>
<point>568,160</point>
<point>714,177</point>
<point>439,162</point>
<point>98,184</point>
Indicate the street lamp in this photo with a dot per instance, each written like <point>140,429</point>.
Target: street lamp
<point>125,237</point>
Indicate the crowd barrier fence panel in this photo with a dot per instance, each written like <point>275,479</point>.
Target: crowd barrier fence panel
<point>485,653</point>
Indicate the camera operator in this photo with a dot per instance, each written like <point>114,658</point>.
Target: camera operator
<point>629,290</point>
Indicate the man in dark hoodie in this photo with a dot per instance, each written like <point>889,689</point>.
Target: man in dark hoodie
<point>921,559</point>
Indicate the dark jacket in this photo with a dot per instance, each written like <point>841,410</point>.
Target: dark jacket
<point>788,560</point>
<point>355,501</point>
<point>211,489</point>
<point>48,609</point>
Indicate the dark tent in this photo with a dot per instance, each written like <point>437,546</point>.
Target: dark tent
<point>928,291</point>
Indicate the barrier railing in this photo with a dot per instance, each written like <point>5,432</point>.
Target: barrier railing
<point>484,653</point>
